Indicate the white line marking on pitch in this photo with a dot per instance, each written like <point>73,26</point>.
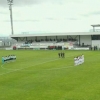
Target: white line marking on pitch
<point>7,68</point>
<point>14,70</point>
<point>30,66</point>
<point>26,67</point>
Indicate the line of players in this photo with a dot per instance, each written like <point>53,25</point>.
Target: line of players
<point>78,60</point>
<point>8,58</point>
<point>61,55</point>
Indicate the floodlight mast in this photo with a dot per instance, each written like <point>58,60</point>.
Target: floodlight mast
<point>10,3</point>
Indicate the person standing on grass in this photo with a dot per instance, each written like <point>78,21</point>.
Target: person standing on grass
<point>75,61</point>
<point>59,55</point>
<point>2,60</point>
<point>63,55</point>
<point>82,58</point>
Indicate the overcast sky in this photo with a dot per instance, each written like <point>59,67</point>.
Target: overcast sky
<point>49,16</point>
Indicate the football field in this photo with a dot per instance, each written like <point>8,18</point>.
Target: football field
<point>42,75</point>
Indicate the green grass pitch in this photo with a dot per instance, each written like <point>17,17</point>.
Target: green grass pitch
<point>42,75</point>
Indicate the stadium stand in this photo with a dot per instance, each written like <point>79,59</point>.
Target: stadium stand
<point>70,40</point>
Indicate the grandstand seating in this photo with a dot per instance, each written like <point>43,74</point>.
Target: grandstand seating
<point>45,44</point>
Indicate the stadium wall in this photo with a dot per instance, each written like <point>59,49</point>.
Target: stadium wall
<point>96,43</point>
<point>86,39</point>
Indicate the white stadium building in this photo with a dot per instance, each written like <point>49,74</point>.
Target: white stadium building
<point>68,40</point>
<point>64,40</point>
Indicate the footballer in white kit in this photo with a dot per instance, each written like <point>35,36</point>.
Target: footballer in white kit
<point>75,61</point>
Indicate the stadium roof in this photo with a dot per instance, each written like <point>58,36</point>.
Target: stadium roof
<point>55,34</point>
<point>97,25</point>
